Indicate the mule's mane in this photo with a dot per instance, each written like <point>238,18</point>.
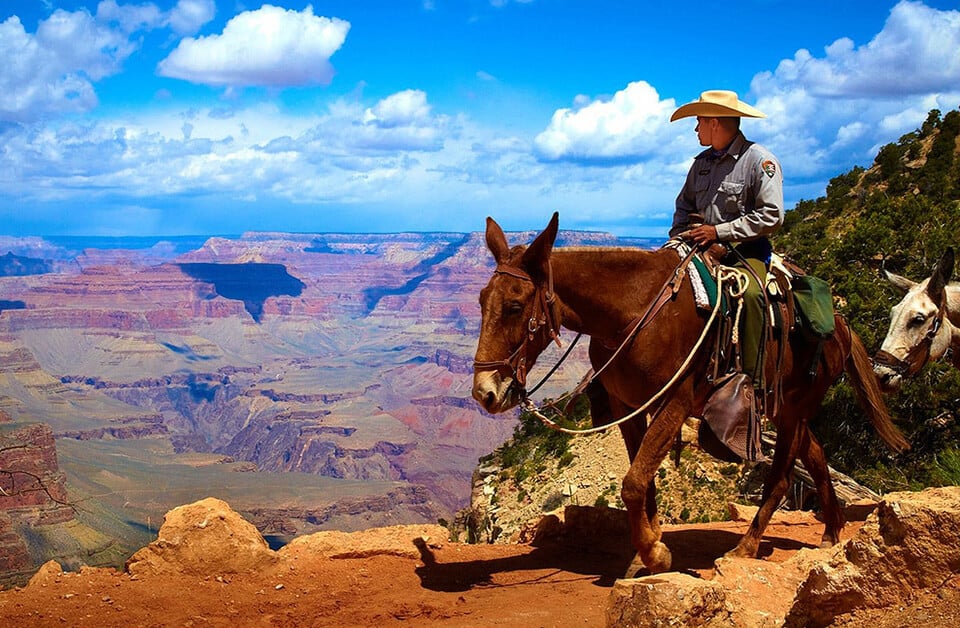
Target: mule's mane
<point>604,255</point>
<point>601,249</point>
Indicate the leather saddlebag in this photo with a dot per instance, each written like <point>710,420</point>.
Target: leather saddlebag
<point>731,414</point>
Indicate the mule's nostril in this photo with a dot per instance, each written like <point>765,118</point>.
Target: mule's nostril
<point>488,399</point>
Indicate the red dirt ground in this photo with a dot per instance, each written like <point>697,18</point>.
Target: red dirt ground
<point>456,585</point>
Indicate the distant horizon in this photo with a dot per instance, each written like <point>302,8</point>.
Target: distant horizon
<point>159,237</point>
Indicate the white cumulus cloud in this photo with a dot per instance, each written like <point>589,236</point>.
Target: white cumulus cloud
<point>129,18</point>
<point>269,47</point>
<point>189,15</point>
<point>400,109</point>
<point>849,101</point>
<point>627,126</point>
<point>52,71</point>
<point>917,51</point>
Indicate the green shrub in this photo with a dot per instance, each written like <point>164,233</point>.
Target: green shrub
<point>902,218</point>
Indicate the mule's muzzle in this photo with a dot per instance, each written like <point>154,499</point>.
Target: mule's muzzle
<point>494,393</point>
<point>890,371</point>
<point>888,378</point>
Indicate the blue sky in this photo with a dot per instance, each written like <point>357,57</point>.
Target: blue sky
<point>172,117</point>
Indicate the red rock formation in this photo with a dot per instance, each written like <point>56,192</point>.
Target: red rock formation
<point>29,475</point>
<point>32,490</point>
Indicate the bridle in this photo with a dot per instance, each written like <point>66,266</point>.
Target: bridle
<point>544,299</point>
<point>918,355</point>
<point>543,318</point>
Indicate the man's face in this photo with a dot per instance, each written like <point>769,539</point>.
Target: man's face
<point>705,129</point>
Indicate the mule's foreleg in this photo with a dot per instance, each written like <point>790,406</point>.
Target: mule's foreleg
<point>639,492</point>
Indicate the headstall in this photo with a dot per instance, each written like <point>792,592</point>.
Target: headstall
<point>918,355</point>
<point>543,317</point>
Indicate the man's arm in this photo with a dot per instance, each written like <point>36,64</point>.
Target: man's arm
<point>685,206</point>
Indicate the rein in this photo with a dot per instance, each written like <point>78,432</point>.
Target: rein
<point>542,302</point>
<point>918,355</point>
<point>723,275</point>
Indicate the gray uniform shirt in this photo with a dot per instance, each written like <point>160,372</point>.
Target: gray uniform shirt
<point>740,192</point>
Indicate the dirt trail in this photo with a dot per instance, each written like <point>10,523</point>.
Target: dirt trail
<point>452,585</point>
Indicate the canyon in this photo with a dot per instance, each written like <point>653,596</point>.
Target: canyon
<point>315,381</point>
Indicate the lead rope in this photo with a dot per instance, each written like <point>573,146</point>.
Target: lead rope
<point>739,281</point>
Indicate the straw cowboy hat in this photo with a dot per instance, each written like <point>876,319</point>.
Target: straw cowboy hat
<point>717,103</point>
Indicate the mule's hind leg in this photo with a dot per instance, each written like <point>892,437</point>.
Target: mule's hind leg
<point>774,488</point>
<point>815,461</point>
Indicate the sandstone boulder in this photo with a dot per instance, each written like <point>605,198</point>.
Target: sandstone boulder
<point>401,540</point>
<point>909,544</point>
<point>48,573</point>
<point>669,599</point>
<point>203,538</point>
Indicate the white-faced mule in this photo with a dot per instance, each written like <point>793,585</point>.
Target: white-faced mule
<point>601,292</point>
<point>924,325</point>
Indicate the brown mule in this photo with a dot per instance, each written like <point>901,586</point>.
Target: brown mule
<point>599,292</point>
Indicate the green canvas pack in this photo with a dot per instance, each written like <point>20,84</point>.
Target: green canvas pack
<point>814,301</point>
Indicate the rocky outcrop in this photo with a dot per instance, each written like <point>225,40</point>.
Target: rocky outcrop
<point>31,483</point>
<point>17,266</point>
<point>403,503</point>
<point>301,443</point>
<point>208,538</point>
<point>14,555</point>
<point>203,538</point>
<point>33,500</point>
<point>910,544</point>
<point>454,363</point>
<point>402,540</point>
<point>126,428</point>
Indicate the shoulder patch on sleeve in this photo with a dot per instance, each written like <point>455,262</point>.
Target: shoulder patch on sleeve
<point>769,167</point>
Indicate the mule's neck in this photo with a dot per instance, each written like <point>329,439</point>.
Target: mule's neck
<point>954,331</point>
<point>953,304</point>
<point>602,290</point>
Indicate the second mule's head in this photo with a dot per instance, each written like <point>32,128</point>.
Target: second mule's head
<point>916,333</point>
<point>517,317</point>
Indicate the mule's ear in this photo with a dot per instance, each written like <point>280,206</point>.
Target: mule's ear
<point>537,255</point>
<point>496,241</point>
<point>941,275</point>
<point>902,283</point>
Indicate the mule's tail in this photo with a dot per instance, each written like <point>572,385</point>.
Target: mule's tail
<point>859,369</point>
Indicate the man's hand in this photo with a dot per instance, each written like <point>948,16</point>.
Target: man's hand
<point>701,235</point>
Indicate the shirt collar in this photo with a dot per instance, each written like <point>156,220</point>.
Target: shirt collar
<point>734,149</point>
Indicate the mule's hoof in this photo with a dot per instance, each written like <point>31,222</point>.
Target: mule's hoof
<point>660,558</point>
<point>741,551</point>
<point>658,561</point>
<point>636,566</point>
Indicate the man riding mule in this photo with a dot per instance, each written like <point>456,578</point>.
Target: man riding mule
<point>733,195</point>
<point>924,325</point>
<point>649,347</point>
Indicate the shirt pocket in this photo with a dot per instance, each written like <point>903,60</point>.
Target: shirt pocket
<point>730,199</point>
